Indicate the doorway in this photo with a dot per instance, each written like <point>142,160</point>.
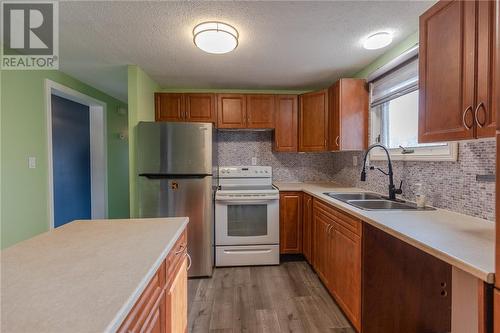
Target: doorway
<point>76,139</point>
<point>70,160</point>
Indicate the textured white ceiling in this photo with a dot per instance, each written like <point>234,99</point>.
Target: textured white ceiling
<point>283,45</point>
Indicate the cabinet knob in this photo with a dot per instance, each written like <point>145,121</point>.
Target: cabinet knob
<point>337,140</point>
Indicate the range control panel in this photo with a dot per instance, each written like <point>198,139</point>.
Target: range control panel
<point>245,172</point>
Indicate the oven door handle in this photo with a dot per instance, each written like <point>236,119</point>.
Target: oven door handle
<point>245,202</point>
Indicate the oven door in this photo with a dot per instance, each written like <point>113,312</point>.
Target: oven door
<point>247,221</point>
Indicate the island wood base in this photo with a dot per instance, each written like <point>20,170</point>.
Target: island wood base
<point>162,307</point>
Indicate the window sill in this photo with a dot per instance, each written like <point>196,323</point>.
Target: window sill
<point>427,154</point>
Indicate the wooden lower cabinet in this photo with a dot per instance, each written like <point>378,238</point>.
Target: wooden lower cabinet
<point>162,307</point>
<point>496,311</point>
<point>337,257</point>
<point>404,289</point>
<point>346,272</point>
<point>307,227</point>
<point>177,302</point>
<point>291,222</point>
<point>322,244</point>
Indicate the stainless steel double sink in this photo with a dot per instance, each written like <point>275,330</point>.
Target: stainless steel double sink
<point>373,201</point>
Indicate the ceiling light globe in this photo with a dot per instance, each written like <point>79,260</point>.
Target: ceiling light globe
<point>377,41</point>
<point>215,37</point>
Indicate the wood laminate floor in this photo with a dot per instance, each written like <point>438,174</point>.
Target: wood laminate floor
<point>285,298</point>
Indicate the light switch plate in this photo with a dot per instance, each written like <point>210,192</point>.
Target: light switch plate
<point>32,162</point>
<point>354,160</point>
<point>254,160</point>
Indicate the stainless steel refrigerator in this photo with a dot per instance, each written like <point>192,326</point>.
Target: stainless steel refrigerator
<point>176,165</point>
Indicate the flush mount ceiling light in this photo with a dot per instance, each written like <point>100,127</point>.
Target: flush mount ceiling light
<point>377,40</point>
<point>215,37</point>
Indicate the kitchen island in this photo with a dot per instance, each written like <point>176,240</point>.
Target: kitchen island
<point>86,276</point>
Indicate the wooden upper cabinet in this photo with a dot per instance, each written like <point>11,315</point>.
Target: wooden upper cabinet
<point>260,111</point>
<point>291,222</point>
<point>455,71</point>
<point>286,118</point>
<point>348,115</point>
<point>200,108</point>
<point>185,107</point>
<point>313,121</point>
<point>484,112</point>
<point>169,107</point>
<point>231,111</point>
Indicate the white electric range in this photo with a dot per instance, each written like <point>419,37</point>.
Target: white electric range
<point>246,217</point>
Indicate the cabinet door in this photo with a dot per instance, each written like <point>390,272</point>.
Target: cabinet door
<point>346,272</point>
<point>177,301</point>
<point>321,245</point>
<point>231,111</point>
<point>313,121</point>
<point>291,222</point>
<point>307,237</point>
<point>404,289</point>
<point>496,311</point>
<point>156,321</point>
<point>446,72</point>
<point>484,112</point>
<point>286,135</point>
<point>169,107</point>
<point>348,115</point>
<point>260,111</point>
<point>200,107</point>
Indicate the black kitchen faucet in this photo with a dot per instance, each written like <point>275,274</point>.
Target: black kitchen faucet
<point>392,189</point>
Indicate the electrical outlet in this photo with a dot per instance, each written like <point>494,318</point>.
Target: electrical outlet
<point>254,160</point>
<point>354,160</point>
<point>32,162</point>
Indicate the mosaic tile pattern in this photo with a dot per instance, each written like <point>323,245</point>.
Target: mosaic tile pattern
<point>238,148</point>
<point>447,185</point>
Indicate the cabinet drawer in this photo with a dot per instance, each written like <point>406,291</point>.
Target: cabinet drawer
<point>140,313</point>
<point>347,221</point>
<point>175,256</point>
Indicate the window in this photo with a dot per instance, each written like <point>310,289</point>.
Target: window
<point>394,118</point>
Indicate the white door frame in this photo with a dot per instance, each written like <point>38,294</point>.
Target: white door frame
<point>98,148</point>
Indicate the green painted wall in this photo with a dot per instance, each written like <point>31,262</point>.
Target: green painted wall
<point>141,107</point>
<point>409,42</point>
<point>24,191</point>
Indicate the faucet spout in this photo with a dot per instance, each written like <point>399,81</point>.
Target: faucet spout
<point>392,189</point>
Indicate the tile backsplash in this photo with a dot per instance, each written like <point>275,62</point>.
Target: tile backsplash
<point>448,185</point>
<point>238,148</point>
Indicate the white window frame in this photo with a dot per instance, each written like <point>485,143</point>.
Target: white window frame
<point>448,152</point>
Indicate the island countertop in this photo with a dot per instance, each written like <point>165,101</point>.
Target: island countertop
<point>84,276</point>
<point>463,241</point>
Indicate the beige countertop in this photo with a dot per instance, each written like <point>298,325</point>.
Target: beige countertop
<point>465,242</point>
<point>84,276</point>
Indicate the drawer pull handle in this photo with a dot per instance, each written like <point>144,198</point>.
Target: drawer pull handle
<point>444,293</point>
<point>469,108</point>
<point>476,112</point>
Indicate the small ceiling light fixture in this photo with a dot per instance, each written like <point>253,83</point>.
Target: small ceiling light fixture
<point>377,40</point>
<point>215,37</point>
